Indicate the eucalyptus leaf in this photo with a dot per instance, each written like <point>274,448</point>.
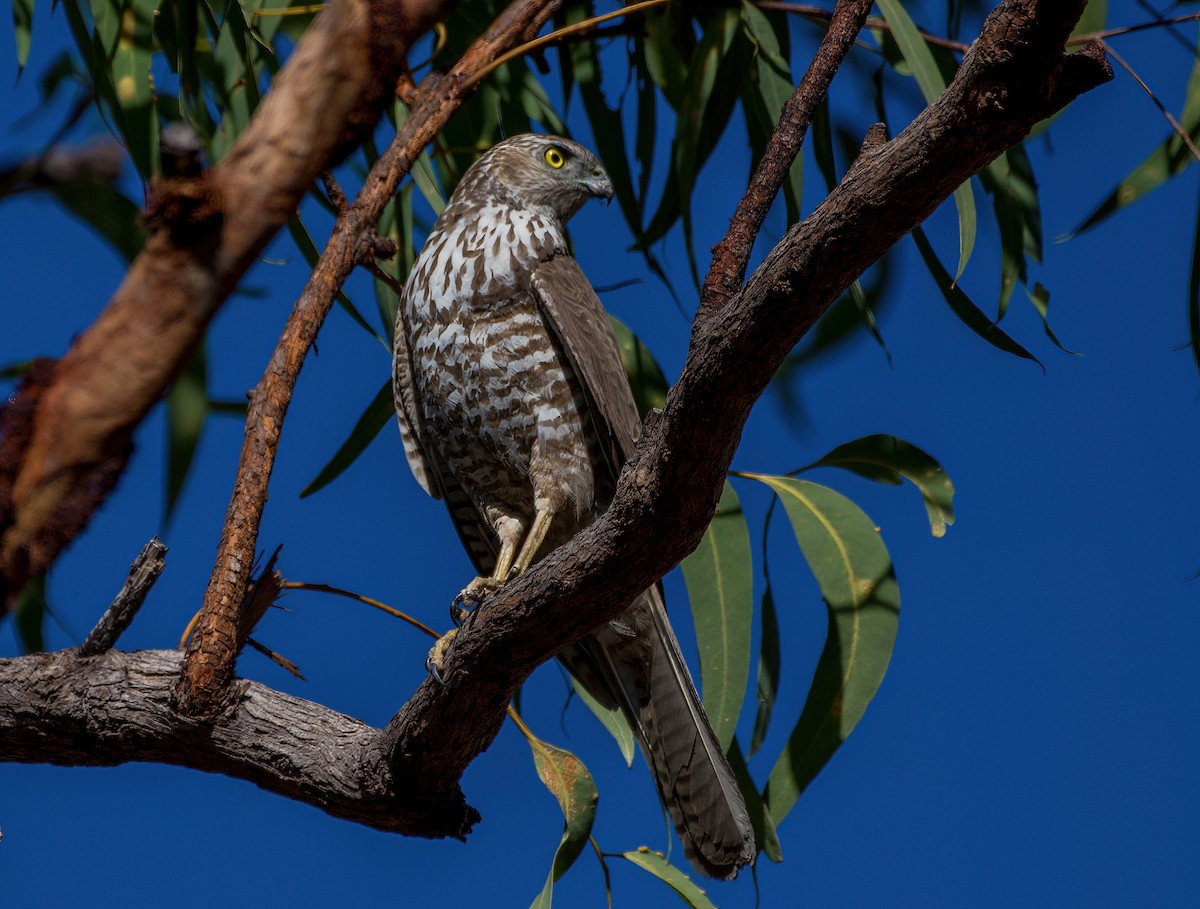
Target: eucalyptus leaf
<point>378,414</point>
<point>929,78</point>
<point>720,581</point>
<point>612,719</point>
<point>854,572</point>
<point>970,314</point>
<point>889,459</point>
<point>571,784</point>
<point>656,864</point>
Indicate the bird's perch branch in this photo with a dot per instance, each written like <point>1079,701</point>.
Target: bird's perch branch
<point>212,651</point>
<point>405,777</point>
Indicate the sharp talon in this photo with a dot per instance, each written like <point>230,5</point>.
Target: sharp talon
<point>459,611</point>
<point>437,656</point>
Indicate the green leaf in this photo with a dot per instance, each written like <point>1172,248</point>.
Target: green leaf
<point>22,30</point>
<point>612,719</point>
<point>1094,18</point>
<point>929,78</point>
<point>1010,182</point>
<point>29,615</point>
<point>1039,296</point>
<point>888,459</point>
<point>645,376</point>
<point>768,89</point>
<point>854,571</point>
<point>970,314</point>
<point>710,92</point>
<point>656,864</point>
<point>1172,157</point>
<point>607,126</point>
<point>187,409</point>
<point>720,581</point>
<point>769,666</point>
<point>130,65</point>
<point>378,414</point>
<point>668,46</point>
<point>572,785</point>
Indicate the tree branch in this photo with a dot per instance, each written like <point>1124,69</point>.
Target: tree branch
<point>142,574</point>
<point>1015,75</point>
<point>213,649</point>
<point>733,252</point>
<point>69,709</point>
<point>327,96</point>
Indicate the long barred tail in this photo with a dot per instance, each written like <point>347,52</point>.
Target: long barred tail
<point>634,663</point>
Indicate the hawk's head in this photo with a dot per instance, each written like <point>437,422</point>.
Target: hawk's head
<point>533,171</point>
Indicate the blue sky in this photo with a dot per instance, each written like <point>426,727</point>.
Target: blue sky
<point>1033,741</point>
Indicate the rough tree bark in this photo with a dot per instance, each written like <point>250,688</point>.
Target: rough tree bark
<point>405,777</point>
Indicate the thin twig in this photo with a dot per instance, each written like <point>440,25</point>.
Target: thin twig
<point>327,588</point>
<point>212,652</point>
<point>1175,125</point>
<point>142,574</point>
<point>559,34</point>
<point>733,252</point>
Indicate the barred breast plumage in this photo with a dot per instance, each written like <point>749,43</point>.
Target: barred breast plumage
<point>515,410</point>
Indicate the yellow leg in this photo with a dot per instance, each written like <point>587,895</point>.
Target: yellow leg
<point>533,540</point>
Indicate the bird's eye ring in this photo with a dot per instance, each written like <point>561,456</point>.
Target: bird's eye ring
<point>554,157</point>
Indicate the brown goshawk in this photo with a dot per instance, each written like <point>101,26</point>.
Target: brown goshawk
<point>515,411</point>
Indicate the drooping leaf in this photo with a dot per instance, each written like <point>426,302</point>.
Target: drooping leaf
<point>667,49</point>
<point>187,409</point>
<point>308,249</point>
<point>130,66</point>
<point>720,581</point>
<point>656,864</point>
<point>1039,296</point>
<point>888,459</point>
<point>22,30</point>
<point>931,82</point>
<point>612,719</point>
<point>570,782</point>
<point>854,572</point>
<point>769,666</point>
<point>1010,182</point>
<point>1169,159</point>
<point>970,314</point>
<point>29,615</point>
<point>608,128</point>
<point>767,90</point>
<point>645,376</point>
<point>378,414</point>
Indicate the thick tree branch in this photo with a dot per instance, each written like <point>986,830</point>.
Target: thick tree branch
<point>322,102</point>
<point>1015,75</point>
<point>67,709</point>
<point>212,651</point>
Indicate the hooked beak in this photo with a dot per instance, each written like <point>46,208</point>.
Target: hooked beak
<point>599,185</point>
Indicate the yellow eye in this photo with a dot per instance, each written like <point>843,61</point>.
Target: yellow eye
<point>555,158</point>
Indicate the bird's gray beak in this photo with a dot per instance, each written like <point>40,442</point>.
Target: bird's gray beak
<point>599,185</point>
